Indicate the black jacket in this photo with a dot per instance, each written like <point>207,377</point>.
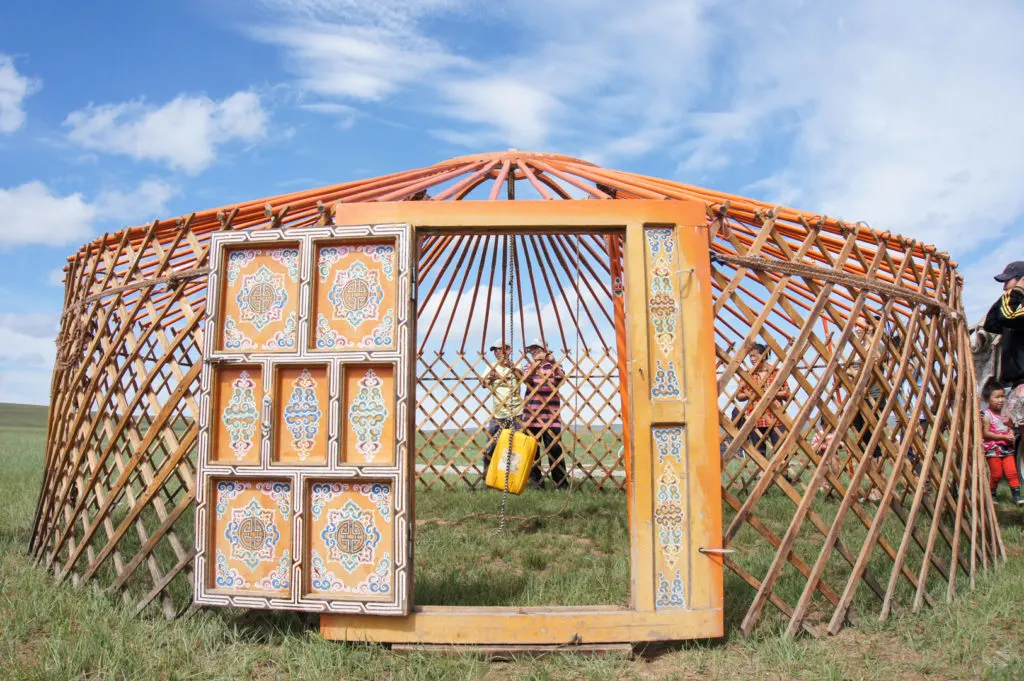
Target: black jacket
<point>1007,318</point>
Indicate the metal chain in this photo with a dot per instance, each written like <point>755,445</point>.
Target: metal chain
<point>509,245</point>
<point>577,397</point>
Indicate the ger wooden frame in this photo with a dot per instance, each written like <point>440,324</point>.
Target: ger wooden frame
<point>119,487</point>
<point>642,619</point>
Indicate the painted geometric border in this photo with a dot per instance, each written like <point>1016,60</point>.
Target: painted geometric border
<point>397,474</point>
<point>670,488</point>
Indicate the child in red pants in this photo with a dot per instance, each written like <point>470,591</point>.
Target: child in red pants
<point>998,440</point>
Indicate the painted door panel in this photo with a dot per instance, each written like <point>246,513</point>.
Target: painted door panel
<point>304,490</point>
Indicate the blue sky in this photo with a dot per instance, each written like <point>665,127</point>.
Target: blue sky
<point>903,114</point>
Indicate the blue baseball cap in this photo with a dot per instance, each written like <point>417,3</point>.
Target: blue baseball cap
<point>1015,270</point>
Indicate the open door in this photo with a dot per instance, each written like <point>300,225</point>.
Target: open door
<point>304,490</point>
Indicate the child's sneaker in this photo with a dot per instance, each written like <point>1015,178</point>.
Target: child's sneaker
<point>1016,496</point>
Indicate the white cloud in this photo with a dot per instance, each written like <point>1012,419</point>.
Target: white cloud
<point>35,214</point>
<point>980,289</point>
<point>903,116</point>
<point>14,90</point>
<point>357,58</point>
<point>31,324</point>
<point>147,201</point>
<point>186,133</point>
<point>345,115</point>
<point>508,110</point>
<point>25,386</point>
<point>598,73</point>
<point>27,352</point>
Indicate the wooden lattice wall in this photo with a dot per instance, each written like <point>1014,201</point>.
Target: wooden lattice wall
<point>865,329</point>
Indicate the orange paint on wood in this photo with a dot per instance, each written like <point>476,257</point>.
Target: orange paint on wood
<point>523,626</point>
<point>368,415</point>
<point>354,297</point>
<point>300,435</point>
<point>251,537</point>
<point>238,393</point>
<point>351,540</point>
<point>260,304</point>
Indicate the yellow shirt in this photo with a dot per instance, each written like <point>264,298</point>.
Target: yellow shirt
<point>507,401</point>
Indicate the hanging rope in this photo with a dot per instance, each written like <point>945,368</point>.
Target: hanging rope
<point>173,280</point>
<point>853,281</point>
<point>504,517</point>
<point>510,421</point>
<point>75,331</point>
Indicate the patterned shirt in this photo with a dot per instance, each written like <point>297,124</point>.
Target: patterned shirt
<point>998,426</point>
<point>762,379</point>
<point>543,404</point>
<point>506,401</point>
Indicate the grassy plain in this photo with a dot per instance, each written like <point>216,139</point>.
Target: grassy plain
<point>53,633</point>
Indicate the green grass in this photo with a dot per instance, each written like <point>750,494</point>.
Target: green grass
<point>559,549</point>
<point>50,632</point>
<point>22,416</point>
<point>587,446</point>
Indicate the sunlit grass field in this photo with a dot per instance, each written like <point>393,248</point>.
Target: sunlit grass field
<point>579,555</point>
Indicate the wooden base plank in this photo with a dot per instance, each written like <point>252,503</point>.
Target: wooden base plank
<point>441,625</point>
<point>508,653</point>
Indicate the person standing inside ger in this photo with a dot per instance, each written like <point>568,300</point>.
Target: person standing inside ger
<point>1006,318</point>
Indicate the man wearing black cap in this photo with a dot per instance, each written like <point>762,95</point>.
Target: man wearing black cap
<point>1006,318</point>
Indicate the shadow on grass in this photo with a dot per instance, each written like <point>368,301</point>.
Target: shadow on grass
<point>486,588</point>
<point>270,627</point>
<point>1010,517</point>
<point>652,651</point>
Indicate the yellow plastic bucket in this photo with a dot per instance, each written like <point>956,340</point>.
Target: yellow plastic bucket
<point>524,449</point>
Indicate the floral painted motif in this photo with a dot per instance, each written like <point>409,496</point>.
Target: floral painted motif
<point>329,256</point>
<point>383,254</point>
<point>350,536</point>
<point>323,492</point>
<point>285,339</point>
<point>279,579</point>
<point>670,591</point>
<point>261,298</point>
<point>384,334</point>
<point>234,339</point>
<point>279,492</point>
<point>662,304</point>
<point>668,516</point>
<point>237,261</point>
<point>302,414</point>
<point>668,442</point>
<point>661,241</point>
<point>289,257</point>
<point>666,382</point>
<point>241,415</point>
<point>380,494</point>
<point>327,338</point>
<point>377,492</point>
<point>377,582</point>
<point>356,294</point>
<point>227,577</point>
<point>367,414</point>
<point>252,534</point>
<point>226,491</point>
